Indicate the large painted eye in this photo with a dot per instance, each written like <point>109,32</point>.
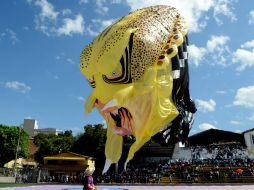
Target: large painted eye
<point>116,73</point>
<point>122,73</point>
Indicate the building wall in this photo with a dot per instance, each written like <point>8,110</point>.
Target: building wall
<point>181,153</point>
<point>48,131</point>
<point>29,126</point>
<point>249,140</point>
<point>7,180</point>
<point>32,129</point>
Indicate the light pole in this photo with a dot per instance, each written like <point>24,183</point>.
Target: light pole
<point>16,154</point>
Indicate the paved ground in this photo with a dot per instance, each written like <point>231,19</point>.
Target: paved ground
<point>178,187</point>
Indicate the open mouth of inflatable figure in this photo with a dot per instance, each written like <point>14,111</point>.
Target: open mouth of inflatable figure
<point>123,121</point>
<point>120,119</point>
<point>120,116</point>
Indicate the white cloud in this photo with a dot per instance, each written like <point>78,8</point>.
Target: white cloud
<point>116,1</point>
<point>206,126</point>
<point>72,26</point>
<point>216,43</point>
<point>206,106</point>
<point>223,7</point>
<point>10,35</point>
<point>244,58</point>
<point>48,20</point>
<point>47,10</point>
<point>98,26</point>
<point>251,19</point>
<point>193,10</point>
<point>248,45</point>
<point>80,98</point>
<point>244,97</point>
<point>66,12</point>
<point>17,86</point>
<point>64,59</point>
<point>91,31</point>
<point>196,54</point>
<point>70,61</point>
<point>101,6</point>
<point>233,122</point>
<point>216,48</point>
<point>106,23</point>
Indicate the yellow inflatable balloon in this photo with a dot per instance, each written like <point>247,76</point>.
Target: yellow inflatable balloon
<point>138,70</point>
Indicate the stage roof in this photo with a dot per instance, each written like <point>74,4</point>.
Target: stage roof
<point>215,136</point>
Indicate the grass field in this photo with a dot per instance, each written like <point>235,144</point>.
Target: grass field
<point>16,184</point>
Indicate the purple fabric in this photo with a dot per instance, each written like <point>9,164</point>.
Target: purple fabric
<point>90,180</point>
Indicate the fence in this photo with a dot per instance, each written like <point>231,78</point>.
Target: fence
<point>24,175</point>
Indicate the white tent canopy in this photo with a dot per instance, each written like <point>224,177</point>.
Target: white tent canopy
<point>20,162</point>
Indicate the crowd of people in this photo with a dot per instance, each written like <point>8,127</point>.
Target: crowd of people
<point>62,178</point>
<point>135,173</point>
<point>207,164</point>
<point>208,170</point>
<point>231,151</point>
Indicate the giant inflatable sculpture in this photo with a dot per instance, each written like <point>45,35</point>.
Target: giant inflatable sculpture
<point>138,69</point>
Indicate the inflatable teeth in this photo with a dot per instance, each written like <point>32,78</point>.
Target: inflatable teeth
<point>110,104</point>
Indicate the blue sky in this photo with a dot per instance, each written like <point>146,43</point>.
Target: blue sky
<point>41,40</point>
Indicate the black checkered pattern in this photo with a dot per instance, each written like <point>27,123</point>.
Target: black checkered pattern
<point>178,129</point>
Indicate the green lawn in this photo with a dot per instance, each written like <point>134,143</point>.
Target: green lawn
<point>16,184</point>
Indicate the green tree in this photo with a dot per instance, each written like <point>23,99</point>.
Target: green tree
<point>52,144</point>
<point>39,138</point>
<point>68,133</point>
<point>91,140</point>
<point>92,143</point>
<point>9,136</point>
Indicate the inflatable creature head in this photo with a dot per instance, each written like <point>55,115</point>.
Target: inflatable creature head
<point>130,68</point>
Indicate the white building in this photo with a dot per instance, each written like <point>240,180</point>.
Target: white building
<point>30,125</point>
<point>48,131</point>
<point>249,141</point>
<point>32,129</point>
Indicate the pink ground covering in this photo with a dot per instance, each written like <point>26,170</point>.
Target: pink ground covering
<point>180,187</point>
